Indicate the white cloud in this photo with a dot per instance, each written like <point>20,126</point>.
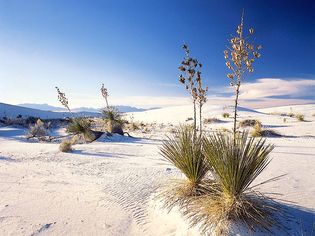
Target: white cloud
<point>270,87</point>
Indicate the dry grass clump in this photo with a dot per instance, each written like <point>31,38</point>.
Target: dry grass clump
<point>66,146</point>
<point>37,130</point>
<point>211,120</point>
<point>299,117</point>
<point>225,115</point>
<point>291,114</point>
<point>258,131</point>
<point>313,114</point>
<point>249,123</point>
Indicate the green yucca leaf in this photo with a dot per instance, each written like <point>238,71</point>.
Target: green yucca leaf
<point>236,166</point>
<point>184,151</point>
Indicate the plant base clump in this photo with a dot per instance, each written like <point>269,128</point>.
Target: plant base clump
<point>82,126</point>
<point>235,164</point>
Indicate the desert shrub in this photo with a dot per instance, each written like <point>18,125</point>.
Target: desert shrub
<point>66,145</point>
<point>225,115</point>
<point>31,120</point>
<point>299,117</point>
<point>133,126</point>
<point>211,120</point>
<point>81,126</point>
<point>189,119</point>
<point>37,130</point>
<point>235,164</point>
<point>313,114</point>
<point>249,123</point>
<point>258,131</point>
<point>184,152</point>
<point>290,114</point>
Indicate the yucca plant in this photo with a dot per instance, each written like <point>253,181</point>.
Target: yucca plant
<point>184,151</point>
<point>113,118</point>
<point>235,164</point>
<point>81,126</point>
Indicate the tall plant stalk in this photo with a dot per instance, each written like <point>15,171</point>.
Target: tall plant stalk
<point>63,100</point>
<point>105,95</point>
<point>191,78</point>
<point>239,59</point>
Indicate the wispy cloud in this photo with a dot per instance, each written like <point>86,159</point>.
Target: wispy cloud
<point>276,87</point>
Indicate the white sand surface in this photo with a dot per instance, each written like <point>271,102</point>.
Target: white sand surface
<point>106,187</point>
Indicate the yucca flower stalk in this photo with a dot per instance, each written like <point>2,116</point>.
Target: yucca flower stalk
<point>191,78</point>
<point>240,56</point>
<point>105,95</point>
<point>63,100</point>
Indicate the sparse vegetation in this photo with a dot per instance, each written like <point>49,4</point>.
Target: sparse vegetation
<point>299,117</point>
<point>65,146</point>
<point>211,120</point>
<point>225,115</point>
<point>249,123</point>
<point>37,130</point>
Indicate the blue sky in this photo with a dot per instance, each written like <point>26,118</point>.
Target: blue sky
<point>134,47</point>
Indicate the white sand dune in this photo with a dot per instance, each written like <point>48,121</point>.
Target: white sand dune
<point>106,187</point>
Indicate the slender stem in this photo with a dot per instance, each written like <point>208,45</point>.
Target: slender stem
<point>237,91</point>
<point>200,118</point>
<point>195,116</point>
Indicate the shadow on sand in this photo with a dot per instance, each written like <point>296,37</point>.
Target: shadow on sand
<point>102,154</point>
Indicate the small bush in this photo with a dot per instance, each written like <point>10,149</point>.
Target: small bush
<point>225,115</point>
<point>189,119</point>
<point>211,120</point>
<point>249,123</point>
<point>291,114</point>
<point>258,131</point>
<point>37,130</point>
<point>313,114</point>
<point>65,146</point>
<point>299,117</point>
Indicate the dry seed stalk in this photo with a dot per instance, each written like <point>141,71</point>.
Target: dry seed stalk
<point>191,78</point>
<point>239,59</point>
<point>105,94</point>
<point>63,99</point>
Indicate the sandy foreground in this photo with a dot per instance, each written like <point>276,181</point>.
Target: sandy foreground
<point>106,187</point>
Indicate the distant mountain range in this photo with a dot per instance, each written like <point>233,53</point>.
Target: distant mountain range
<point>47,107</point>
<point>45,111</point>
